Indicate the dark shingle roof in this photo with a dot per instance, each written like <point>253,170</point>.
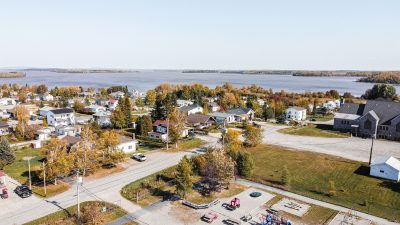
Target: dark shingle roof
<point>62,111</point>
<point>352,108</point>
<point>3,124</point>
<point>198,118</point>
<point>385,110</point>
<point>71,140</point>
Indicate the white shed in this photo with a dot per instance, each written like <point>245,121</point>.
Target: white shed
<point>386,167</point>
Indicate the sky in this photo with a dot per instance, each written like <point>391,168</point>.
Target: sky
<point>203,34</point>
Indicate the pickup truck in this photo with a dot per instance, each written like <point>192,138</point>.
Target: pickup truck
<point>139,157</point>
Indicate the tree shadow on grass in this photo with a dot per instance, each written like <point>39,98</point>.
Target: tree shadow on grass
<point>392,185</point>
<point>324,127</point>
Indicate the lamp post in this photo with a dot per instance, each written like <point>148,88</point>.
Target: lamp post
<point>78,183</point>
<point>28,158</point>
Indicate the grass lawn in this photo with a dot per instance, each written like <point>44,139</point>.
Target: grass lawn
<point>68,216</point>
<point>19,171</point>
<point>310,174</point>
<point>314,130</point>
<point>186,144</point>
<point>322,118</point>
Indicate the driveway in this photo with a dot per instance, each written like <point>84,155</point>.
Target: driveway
<point>351,148</point>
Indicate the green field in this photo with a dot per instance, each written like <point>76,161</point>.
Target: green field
<point>309,174</point>
<point>68,216</point>
<point>19,171</point>
<point>313,130</point>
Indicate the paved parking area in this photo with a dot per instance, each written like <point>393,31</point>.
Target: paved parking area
<point>354,148</point>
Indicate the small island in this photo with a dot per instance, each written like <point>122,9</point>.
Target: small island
<point>61,70</point>
<point>12,74</point>
<point>390,77</point>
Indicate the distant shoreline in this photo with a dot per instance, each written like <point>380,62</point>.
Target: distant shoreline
<point>58,70</point>
<point>12,74</point>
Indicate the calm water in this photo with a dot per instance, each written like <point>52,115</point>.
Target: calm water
<point>146,80</point>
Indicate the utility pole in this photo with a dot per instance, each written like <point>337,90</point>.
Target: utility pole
<point>372,147</point>
<point>28,158</point>
<point>78,182</point>
<point>167,132</point>
<point>44,180</point>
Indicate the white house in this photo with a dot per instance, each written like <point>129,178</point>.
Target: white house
<point>296,113</point>
<point>182,103</point>
<point>57,117</point>
<point>241,114</point>
<point>332,104</point>
<point>44,110</point>
<point>117,94</point>
<point>160,130</point>
<point>127,145</point>
<point>221,117</point>
<point>386,167</point>
<point>191,109</point>
<point>214,107</point>
<point>103,118</point>
<point>62,130</point>
<point>45,97</point>
<point>7,101</point>
<point>112,104</point>
<point>95,108</point>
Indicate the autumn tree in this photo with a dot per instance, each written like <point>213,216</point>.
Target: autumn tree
<point>384,91</point>
<point>231,140</point>
<point>58,161</point>
<point>219,169</point>
<point>183,178</point>
<point>198,164</point>
<point>22,115</point>
<point>41,89</point>
<point>7,155</point>
<point>150,97</point>
<point>79,106</point>
<point>118,118</point>
<point>86,155</point>
<point>92,213</point>
<point>252,135</point>
<point>176,126</point>
<point>108,142</point>
<point>144,125</point>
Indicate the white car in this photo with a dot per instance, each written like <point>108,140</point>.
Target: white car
<point>139,157</point>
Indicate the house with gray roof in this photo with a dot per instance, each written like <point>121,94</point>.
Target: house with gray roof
<point>241,114</point>
<point>374,118</point>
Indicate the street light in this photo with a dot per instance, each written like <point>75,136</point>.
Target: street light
<point>79,182</point>
<point>28,158</point>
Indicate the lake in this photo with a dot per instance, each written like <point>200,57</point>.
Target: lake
<point>145,80</point>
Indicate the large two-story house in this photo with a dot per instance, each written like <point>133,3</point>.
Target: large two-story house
<point>57,117</point>
<point>374,118</point>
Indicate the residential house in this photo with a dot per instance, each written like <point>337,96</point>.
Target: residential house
<point>103,118</point>
<point>296,113</point>
<point>44,110</point>
<point>241,114</point>
<point>62,130</point>
<point>57,117</point>
<point>83,119</point>
<point>102,101</point>
<point>45,97</point>
<point>214,107</point>
<point>43,134</point>
<point>200,121</point>
<point>127,145</point>
<point>71,141</point>
<point>7,101</point>
<point>4,114</point>
<point>86,94</point>
<point>95,108</point>
<point>112,104</point>
<point>182,103</point>
<point>222,117</point>
<point>160,129</point>
<point>4,128</point>
<point>386,167</point>
<point>332,104</point>
<point>379,119</point>
<point>117,95</point>
<point>191,109</point>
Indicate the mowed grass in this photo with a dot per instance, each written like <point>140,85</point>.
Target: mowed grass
<point>314,131</point>
<point>310,175</point>
<point>19,171</point>
<point>68,216</point>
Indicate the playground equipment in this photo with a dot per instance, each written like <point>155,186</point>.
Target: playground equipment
<point>235,203</point>
<point>271,219</point>
<point>209,217</point>
<point>4,193</point>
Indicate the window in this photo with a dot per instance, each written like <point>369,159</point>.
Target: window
<point>130,147</point>
<point>368,124</point>
<point>398,127</point>
<point>381,171</point>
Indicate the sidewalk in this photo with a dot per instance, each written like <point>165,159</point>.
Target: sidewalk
<point>375,219</point>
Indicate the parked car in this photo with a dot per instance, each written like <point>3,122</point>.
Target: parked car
<point>139,157</point>
<point>209,217</point>
<point>23,191</point>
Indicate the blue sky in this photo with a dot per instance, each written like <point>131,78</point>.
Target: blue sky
<point>150,34</point>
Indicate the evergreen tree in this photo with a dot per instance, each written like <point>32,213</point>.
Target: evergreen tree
<point>118,118</point>
<point>245,164</point>
<point>7,155</point>
<point>252,135</point>
<point>144,125</point>
<point>127,111</point>
<point>183,178</point>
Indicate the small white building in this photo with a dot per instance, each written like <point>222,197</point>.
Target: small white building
<point>222,118</point>
<point>95,108</point>
<point>386,167</point>
<point>182,103</point>
<point>46,97</point>
<point>117,94</point>
<point>57,117</point>
<point>214,107</point>
<point>191,109</point>
<point>296,113</point>
<point>332,104</point>
<point>127,145</point>
<point>7,101</point>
